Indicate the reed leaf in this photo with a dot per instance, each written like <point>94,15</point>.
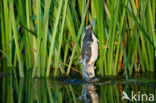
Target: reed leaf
<point>53,38</point>
<point>16,38</point>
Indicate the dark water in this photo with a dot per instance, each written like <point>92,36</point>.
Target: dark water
<point>140,88</point>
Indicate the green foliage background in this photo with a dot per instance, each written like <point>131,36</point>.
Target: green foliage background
<point>45,35</point>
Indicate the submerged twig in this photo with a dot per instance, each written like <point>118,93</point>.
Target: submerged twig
<point>74,69</point>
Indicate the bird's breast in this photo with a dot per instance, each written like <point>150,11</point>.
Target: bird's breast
<point>94,50</point>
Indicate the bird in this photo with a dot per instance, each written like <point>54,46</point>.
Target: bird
<point>89,52</point>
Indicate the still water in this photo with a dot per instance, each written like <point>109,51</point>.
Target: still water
<point>139,88</point>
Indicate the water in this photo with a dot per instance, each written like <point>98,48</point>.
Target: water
<point>74,90</point>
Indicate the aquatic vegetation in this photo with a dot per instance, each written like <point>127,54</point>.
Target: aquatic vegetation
<point>45,36</point>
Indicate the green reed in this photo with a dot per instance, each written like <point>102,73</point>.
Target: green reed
<point>45,36</point>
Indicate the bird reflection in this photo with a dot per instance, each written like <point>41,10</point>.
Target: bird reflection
<point>88,94</point>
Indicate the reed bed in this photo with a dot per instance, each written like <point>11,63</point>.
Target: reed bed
<point>45,35</point>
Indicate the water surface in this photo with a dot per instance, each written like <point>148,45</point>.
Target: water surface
<point>74,90</point>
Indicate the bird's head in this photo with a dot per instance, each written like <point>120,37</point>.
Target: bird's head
<point>88,29</point>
